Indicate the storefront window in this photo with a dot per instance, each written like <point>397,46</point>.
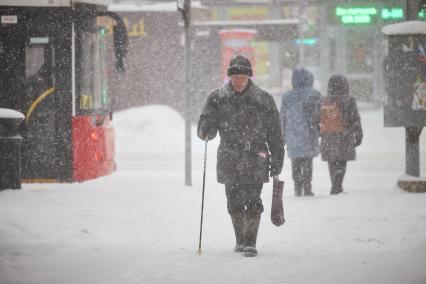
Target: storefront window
<point>359,48</point>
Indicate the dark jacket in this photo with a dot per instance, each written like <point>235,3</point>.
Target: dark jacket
<point>341,146</point>
<point>248,123</point>
<point>300,116</point>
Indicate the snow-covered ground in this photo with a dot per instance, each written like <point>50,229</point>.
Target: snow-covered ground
<point>141,224</point>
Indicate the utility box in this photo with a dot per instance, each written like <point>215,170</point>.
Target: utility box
<point>10,148</point>
<point>405,74</point>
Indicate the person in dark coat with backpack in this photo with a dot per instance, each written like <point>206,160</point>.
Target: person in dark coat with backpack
<point>341,132</point>
<point>300,122</point>
<point>251,147</point>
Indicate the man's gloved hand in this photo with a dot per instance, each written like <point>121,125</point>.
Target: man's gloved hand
<point>206,131</point>
<point>357,143</point>
<point>274,169</point>
<point>209,135</point>
<point>357,140</point>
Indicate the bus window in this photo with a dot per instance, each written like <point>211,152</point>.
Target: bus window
<point>94,72</point>
<point>2,75</point>
<point>34,60</point>
<point>11,73</point>
<point>103,42</point>
<point>38,72</point>
<point>89,71</point>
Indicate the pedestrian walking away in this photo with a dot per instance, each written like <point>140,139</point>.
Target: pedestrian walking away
<point>251,147</point>
<point>340,130</point>
<point>300,123</point>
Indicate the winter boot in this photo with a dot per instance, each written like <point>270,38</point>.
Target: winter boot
<point>238,223</point>
<point>251,226</point>
<point>336,190</point>
<point>307,190</point>
<point>297,189</point>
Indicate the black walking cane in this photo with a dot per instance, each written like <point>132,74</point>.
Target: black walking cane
<point>202,198</point>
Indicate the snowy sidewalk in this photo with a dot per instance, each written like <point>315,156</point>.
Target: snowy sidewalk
<point>141,224</point>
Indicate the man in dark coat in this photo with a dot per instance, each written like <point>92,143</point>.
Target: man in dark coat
<point>300,121</point>
<point>338,148</point>
<point>251,147</point>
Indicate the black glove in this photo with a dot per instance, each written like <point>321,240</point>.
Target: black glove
<point>357,143</point>
<point>207,131</point>
<point>209,135</point>
<point>275,169</point>
<point>357,140</point>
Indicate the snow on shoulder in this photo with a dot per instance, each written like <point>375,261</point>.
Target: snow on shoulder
<point>405,28</point>
<point>10,113</point>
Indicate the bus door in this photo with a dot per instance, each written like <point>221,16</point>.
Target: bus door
<point>28,84</point>
<point>40,148</point>
<point>92,132</point>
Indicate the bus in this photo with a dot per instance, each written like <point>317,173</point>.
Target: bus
<point>55,56</point>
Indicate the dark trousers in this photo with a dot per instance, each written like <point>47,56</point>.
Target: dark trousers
<point>244,198</point>
<point>302,173</point>
<point>337,172</point>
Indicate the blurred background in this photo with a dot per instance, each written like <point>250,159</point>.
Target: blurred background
<point>324,36</point>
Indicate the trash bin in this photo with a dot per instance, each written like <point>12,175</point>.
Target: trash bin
<point>10,148</point>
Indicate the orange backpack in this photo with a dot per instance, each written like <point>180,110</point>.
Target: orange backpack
<point>331,116</point>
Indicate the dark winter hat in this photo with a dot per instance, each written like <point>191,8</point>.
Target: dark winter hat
<point>240,65</point>
<point>338,85</point>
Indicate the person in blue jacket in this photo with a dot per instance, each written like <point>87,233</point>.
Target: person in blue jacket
<point>300,116</point>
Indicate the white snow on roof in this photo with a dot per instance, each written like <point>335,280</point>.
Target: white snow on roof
<point>268,22</point>
<point>405,28</point>
<point>51,3</point>
<point>155,7</point>
<point>10,113</point>
<point>238,31</point>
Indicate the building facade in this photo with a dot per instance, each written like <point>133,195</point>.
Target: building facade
<point>326,36</point>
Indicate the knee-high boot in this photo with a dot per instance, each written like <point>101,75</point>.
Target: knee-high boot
<point>238,223</point>
<point>251,228</point>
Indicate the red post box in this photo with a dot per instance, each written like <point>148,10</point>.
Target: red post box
<point>235,42</point>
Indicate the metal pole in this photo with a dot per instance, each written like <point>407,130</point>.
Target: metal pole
<point>412,9</point>
<point>412,151</point>
<point>302,26</point>
<point>412,134</point>
<point>187,25</point>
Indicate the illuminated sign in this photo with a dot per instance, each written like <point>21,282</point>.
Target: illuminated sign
<point>305,41</point>
<point>356,15</point>
<point>366,15</point>
<point>392,13</point>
